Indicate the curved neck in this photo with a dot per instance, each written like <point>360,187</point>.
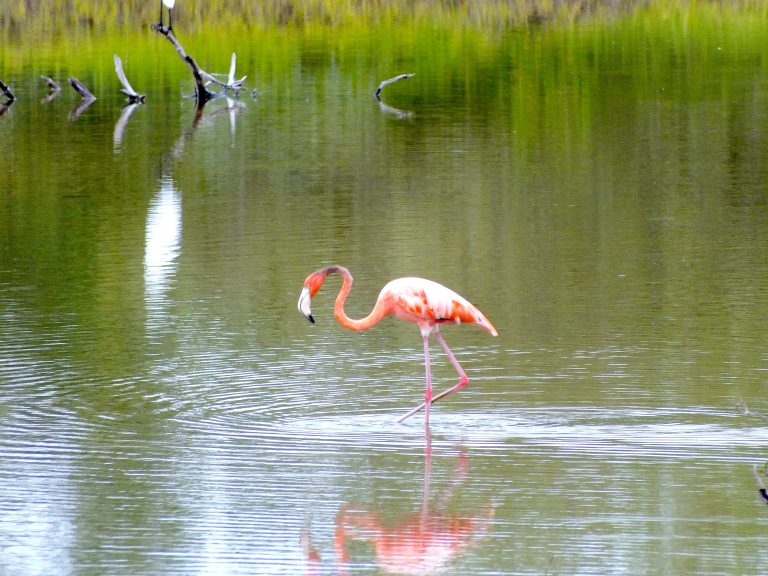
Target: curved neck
<point>378,312</point>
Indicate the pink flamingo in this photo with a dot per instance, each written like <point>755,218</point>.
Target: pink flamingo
<point>417,300</point>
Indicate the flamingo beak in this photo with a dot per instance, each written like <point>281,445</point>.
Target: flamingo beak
<point>305,300</point>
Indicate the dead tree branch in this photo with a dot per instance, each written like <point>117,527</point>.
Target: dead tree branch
<point>88,98</point>
<point>232,83</point>
<point>7,92</point>
<point>385,83</point>
<point>81,89</point>
<point>127,89</point>
<point>203,78</point>
<point>201,92</point>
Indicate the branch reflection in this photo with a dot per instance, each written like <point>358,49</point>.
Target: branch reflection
<point>396,112</point>
<point>5,106</point>
<point>122,122</point>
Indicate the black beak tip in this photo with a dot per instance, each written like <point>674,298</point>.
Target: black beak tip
<point>311,319</point>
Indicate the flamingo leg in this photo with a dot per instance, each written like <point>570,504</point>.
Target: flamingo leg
<point>161,13</point>
<point>463,378</point>
<point>428,391</point>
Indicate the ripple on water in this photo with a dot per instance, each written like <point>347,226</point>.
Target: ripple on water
<point>622,433</point>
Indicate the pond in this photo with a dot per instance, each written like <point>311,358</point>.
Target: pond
<point>595,185</point>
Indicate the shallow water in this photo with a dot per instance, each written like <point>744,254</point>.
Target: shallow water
<point>165,409</point>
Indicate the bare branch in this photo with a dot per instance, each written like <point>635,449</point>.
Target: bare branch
<point>390,81</point>
<point>7,92</point>
<point>81,89</point>
<point>231,78</point>
<point>231,83</point>
<point>201,92</point>
<point>127,89</point>
<point>741,406</point>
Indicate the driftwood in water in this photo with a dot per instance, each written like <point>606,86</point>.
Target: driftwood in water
<point>127,89</point>
<point>81,89</point>
<point>388,82</point>
<point>5,106</point>
<point>7,92</point>
<point>88,98</point>
<point>232,83</point>
<point>201,92</point>
<point>202,78</point>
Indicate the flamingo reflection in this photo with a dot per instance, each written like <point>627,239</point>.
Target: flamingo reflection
<point>313,562</point>
<point>420,543</point>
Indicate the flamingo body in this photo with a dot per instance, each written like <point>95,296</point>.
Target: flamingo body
<point>428,303</point>
<point>423,302</point>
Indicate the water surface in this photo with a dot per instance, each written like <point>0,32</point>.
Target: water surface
<point>598,193</point>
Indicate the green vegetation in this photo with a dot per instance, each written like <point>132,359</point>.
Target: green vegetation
<point>76,16</point>
<point>271,36</point>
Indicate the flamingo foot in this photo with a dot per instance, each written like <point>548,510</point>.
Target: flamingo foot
<point>462,383</point>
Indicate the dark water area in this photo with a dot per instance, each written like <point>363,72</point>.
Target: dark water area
<point>597,189</point>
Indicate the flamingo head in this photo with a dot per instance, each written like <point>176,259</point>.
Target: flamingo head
<point>311,285</point>
<point>305,304</point>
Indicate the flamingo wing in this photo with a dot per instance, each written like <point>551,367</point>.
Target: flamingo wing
<point>428,303</point>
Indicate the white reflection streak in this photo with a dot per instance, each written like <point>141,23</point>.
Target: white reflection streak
<point>162,244</point>
<point>35,531</point>
<point>234,106</point>
<point>122,122</point>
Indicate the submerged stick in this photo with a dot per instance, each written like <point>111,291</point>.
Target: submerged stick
<point>742,407</point>
<point>232,83</point>
<point>201,92</point>
<point>127,89</point>
<point>423,404</point>
<point>390,81</point>
<point>7,92</point>
<point>81,89</point>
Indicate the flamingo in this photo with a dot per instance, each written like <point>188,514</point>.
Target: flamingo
<point>424,302</point>
<point>168,4</point>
